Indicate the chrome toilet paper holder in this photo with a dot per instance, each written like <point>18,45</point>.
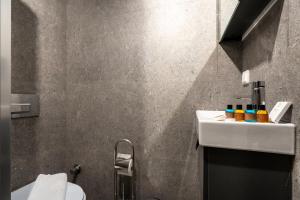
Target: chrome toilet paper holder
<point>124,172</point>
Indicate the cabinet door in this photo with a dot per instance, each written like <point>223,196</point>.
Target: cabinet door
<point>244,175</point>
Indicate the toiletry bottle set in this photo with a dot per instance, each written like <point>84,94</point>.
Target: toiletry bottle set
<point>249,115</point>
<point>256,111</point>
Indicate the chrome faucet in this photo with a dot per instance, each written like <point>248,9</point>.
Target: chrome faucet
<point>257,93</point>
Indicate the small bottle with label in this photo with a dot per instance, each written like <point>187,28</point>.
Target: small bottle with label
<point>239,113</point>
<point>229,113</point>
<point>262,114</point>
<point>250,113</point>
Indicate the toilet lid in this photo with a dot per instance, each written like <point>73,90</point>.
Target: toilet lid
<point>74,192</point>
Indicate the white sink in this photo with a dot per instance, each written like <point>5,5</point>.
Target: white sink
<point>262,137</point>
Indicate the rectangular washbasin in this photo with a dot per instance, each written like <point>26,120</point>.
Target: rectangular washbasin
<point>261,137</point>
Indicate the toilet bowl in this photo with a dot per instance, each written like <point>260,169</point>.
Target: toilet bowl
<point>74,192</point>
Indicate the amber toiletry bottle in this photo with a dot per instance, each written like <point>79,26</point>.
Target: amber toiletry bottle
<point>239,113</point>
<point>262,114</point>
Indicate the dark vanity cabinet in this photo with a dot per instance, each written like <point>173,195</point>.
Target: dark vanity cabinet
<point>246,175</point>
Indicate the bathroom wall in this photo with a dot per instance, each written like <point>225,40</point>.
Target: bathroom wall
<point>272,53</point>
<point>38,66</point>
<point>139,69</point>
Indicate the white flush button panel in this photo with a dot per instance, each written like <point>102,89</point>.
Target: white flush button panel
<point>246,77</point>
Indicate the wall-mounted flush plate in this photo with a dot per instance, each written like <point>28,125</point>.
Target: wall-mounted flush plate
<point>246,78</point>
<point>24,105</point>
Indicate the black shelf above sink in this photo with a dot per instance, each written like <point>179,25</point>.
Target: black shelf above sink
<point>245,15</point>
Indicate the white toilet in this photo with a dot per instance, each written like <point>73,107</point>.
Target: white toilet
<point>74,192</point>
